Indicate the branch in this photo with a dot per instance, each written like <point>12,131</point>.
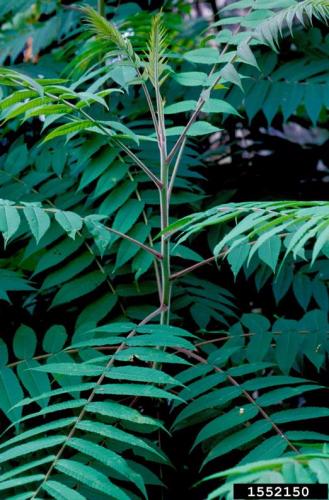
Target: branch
<point>111,230</point>
<point>150,104</point>
<point>86,244</point>
<point>139,162</point>
<point>148,249</point>
<point>146,221</point>
<point>201,101</point>
<point>175,170</point>
<point>91,397</point>
<point>195,266</point>
<point>211,259</point>
<point>246,394</point>
<point>125,148</point>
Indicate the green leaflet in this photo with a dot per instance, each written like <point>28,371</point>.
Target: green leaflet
<point>230,74</point>
<point>117,198</point>
<point>272,447</point>
<point>68,128</point>
<point>50,109</point>
<point>238,255</point>
<point>97,166</point>
<point>9,220</point>
<point>121,412</point>
<point>202,385</point>
<point>192,79</point>
<point>232,419</point>
<point>180,107</point>
<point>16,97</point>
<point>287,347</point>
<point>270,381</point>
<point>54,339</point>
<point>38,221</point>
<point>135,374</point>
<point>70,222</point>
<point>111,178</point>
<point>217,397</point>
<point>54,408</point>
<point>238,439</point>
<point>23,449</point>
<point>60,491</point>
<point>273,397</point>
<point>269,252</point>
<point>34,384</point>
<point>164,329</point>
<point>25,342</point>
<point>127,250</point>
<point>111,432</point>
<point>127,215</point>
<point>72,389</point>
<point>11,393</point>
<point>57,254</point>
<point>22,108</point>
<point>203,56</point>
<point>198,128</point>
<point>320,468</point>
<point>102,237</point>
<point>23,468</point>
<point>21,481</point>
<point>93,478</point>
<point>156,340</point>
<point>245,53</point>
<point>299,414</point>
<point>116,327</point>
<point>68,271</point>
<point>100,307</point>
<point>109,458</point>
<point>58,424</point>
<point>302,287</point>
<point>219,106</point>
<point>78,288</point>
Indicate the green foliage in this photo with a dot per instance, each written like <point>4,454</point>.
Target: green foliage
<point>224,431</point>
<point>103,167</point>
<point>105,429</point>
<point>263,229</point>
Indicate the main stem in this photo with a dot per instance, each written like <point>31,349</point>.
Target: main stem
<point>165,242</point>
<point>164,205</point>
